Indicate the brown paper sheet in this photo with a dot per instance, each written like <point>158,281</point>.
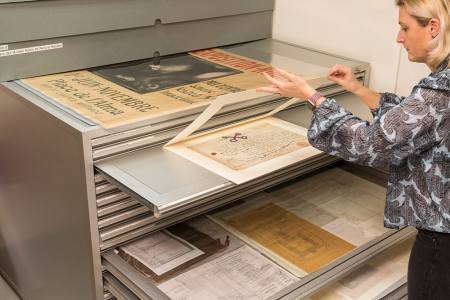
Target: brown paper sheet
<point>284,234</point>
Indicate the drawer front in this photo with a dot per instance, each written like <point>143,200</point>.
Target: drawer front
<point>31,58</point>
<point>36,20</point>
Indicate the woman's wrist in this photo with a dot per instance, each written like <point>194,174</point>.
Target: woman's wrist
<point>358,89</point>
<point>320,101</point>
<point>314,99</point>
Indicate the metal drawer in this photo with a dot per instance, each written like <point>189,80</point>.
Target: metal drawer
<point>140,286</point>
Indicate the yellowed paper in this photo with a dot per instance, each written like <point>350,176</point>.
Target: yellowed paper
<point>261,148</point>
<point>128,93</point>
<point>296,241</point>
<point>250,150</point>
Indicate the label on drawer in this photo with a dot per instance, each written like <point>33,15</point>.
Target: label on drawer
<point>3,47</point>
<point>30,49</point>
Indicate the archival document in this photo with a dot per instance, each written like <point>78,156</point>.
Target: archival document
<point>296,244</point>
<point>249,150</point>
<point>126,93</point>
<point>375,279</point>
<point>161,252</point>
<point>240,274</point>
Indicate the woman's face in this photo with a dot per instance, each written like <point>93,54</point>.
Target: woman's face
<point>413,36</point>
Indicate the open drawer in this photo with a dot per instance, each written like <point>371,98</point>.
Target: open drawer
<point>149,189</point>
<point>284,243</point>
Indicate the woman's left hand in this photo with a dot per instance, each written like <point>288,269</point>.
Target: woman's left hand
<point>288,85</point>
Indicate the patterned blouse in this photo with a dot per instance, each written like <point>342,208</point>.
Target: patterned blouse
<point>410,135</point>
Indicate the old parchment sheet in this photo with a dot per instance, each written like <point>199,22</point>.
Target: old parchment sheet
<point>248,151</point>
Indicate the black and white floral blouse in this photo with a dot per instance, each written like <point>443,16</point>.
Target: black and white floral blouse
<point>411,135</point>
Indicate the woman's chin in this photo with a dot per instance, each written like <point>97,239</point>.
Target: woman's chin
<point>415,58</point>
<point>411,57</point>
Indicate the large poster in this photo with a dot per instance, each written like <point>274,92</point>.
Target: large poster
<point>130,92</point>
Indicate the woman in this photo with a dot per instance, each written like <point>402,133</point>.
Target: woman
<point>411,135</point>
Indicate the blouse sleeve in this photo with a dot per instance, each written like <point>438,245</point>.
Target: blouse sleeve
<point>387,101</point>
<point>407,127</point>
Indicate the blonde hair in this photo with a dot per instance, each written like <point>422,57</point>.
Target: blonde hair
<point>423,11</point>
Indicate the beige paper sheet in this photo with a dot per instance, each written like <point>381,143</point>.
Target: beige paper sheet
<point>247,151</point>
<point>111,104</point>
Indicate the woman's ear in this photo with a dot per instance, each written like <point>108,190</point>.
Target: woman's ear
<point>433,27</point>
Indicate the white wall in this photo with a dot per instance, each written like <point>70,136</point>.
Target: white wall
<point>409,74</point>
<point>363,30</point>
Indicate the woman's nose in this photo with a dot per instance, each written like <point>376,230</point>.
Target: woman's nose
<point>400,38</point>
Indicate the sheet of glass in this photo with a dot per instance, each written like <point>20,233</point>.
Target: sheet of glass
<point>240,274</point>
<point>378,277</point>
<point>161,252</point>
<point>129,92</point>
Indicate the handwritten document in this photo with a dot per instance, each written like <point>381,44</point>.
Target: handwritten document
<point>250,150</point>
<point>252,146</point>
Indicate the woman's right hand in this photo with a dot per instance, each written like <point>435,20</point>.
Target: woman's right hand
<point>344,76</point>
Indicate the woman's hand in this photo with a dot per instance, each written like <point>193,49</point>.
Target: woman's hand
<point>288,85</point>
<point>344,76</point>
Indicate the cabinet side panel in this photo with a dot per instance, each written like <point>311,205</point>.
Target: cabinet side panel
<point>46,248</point>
